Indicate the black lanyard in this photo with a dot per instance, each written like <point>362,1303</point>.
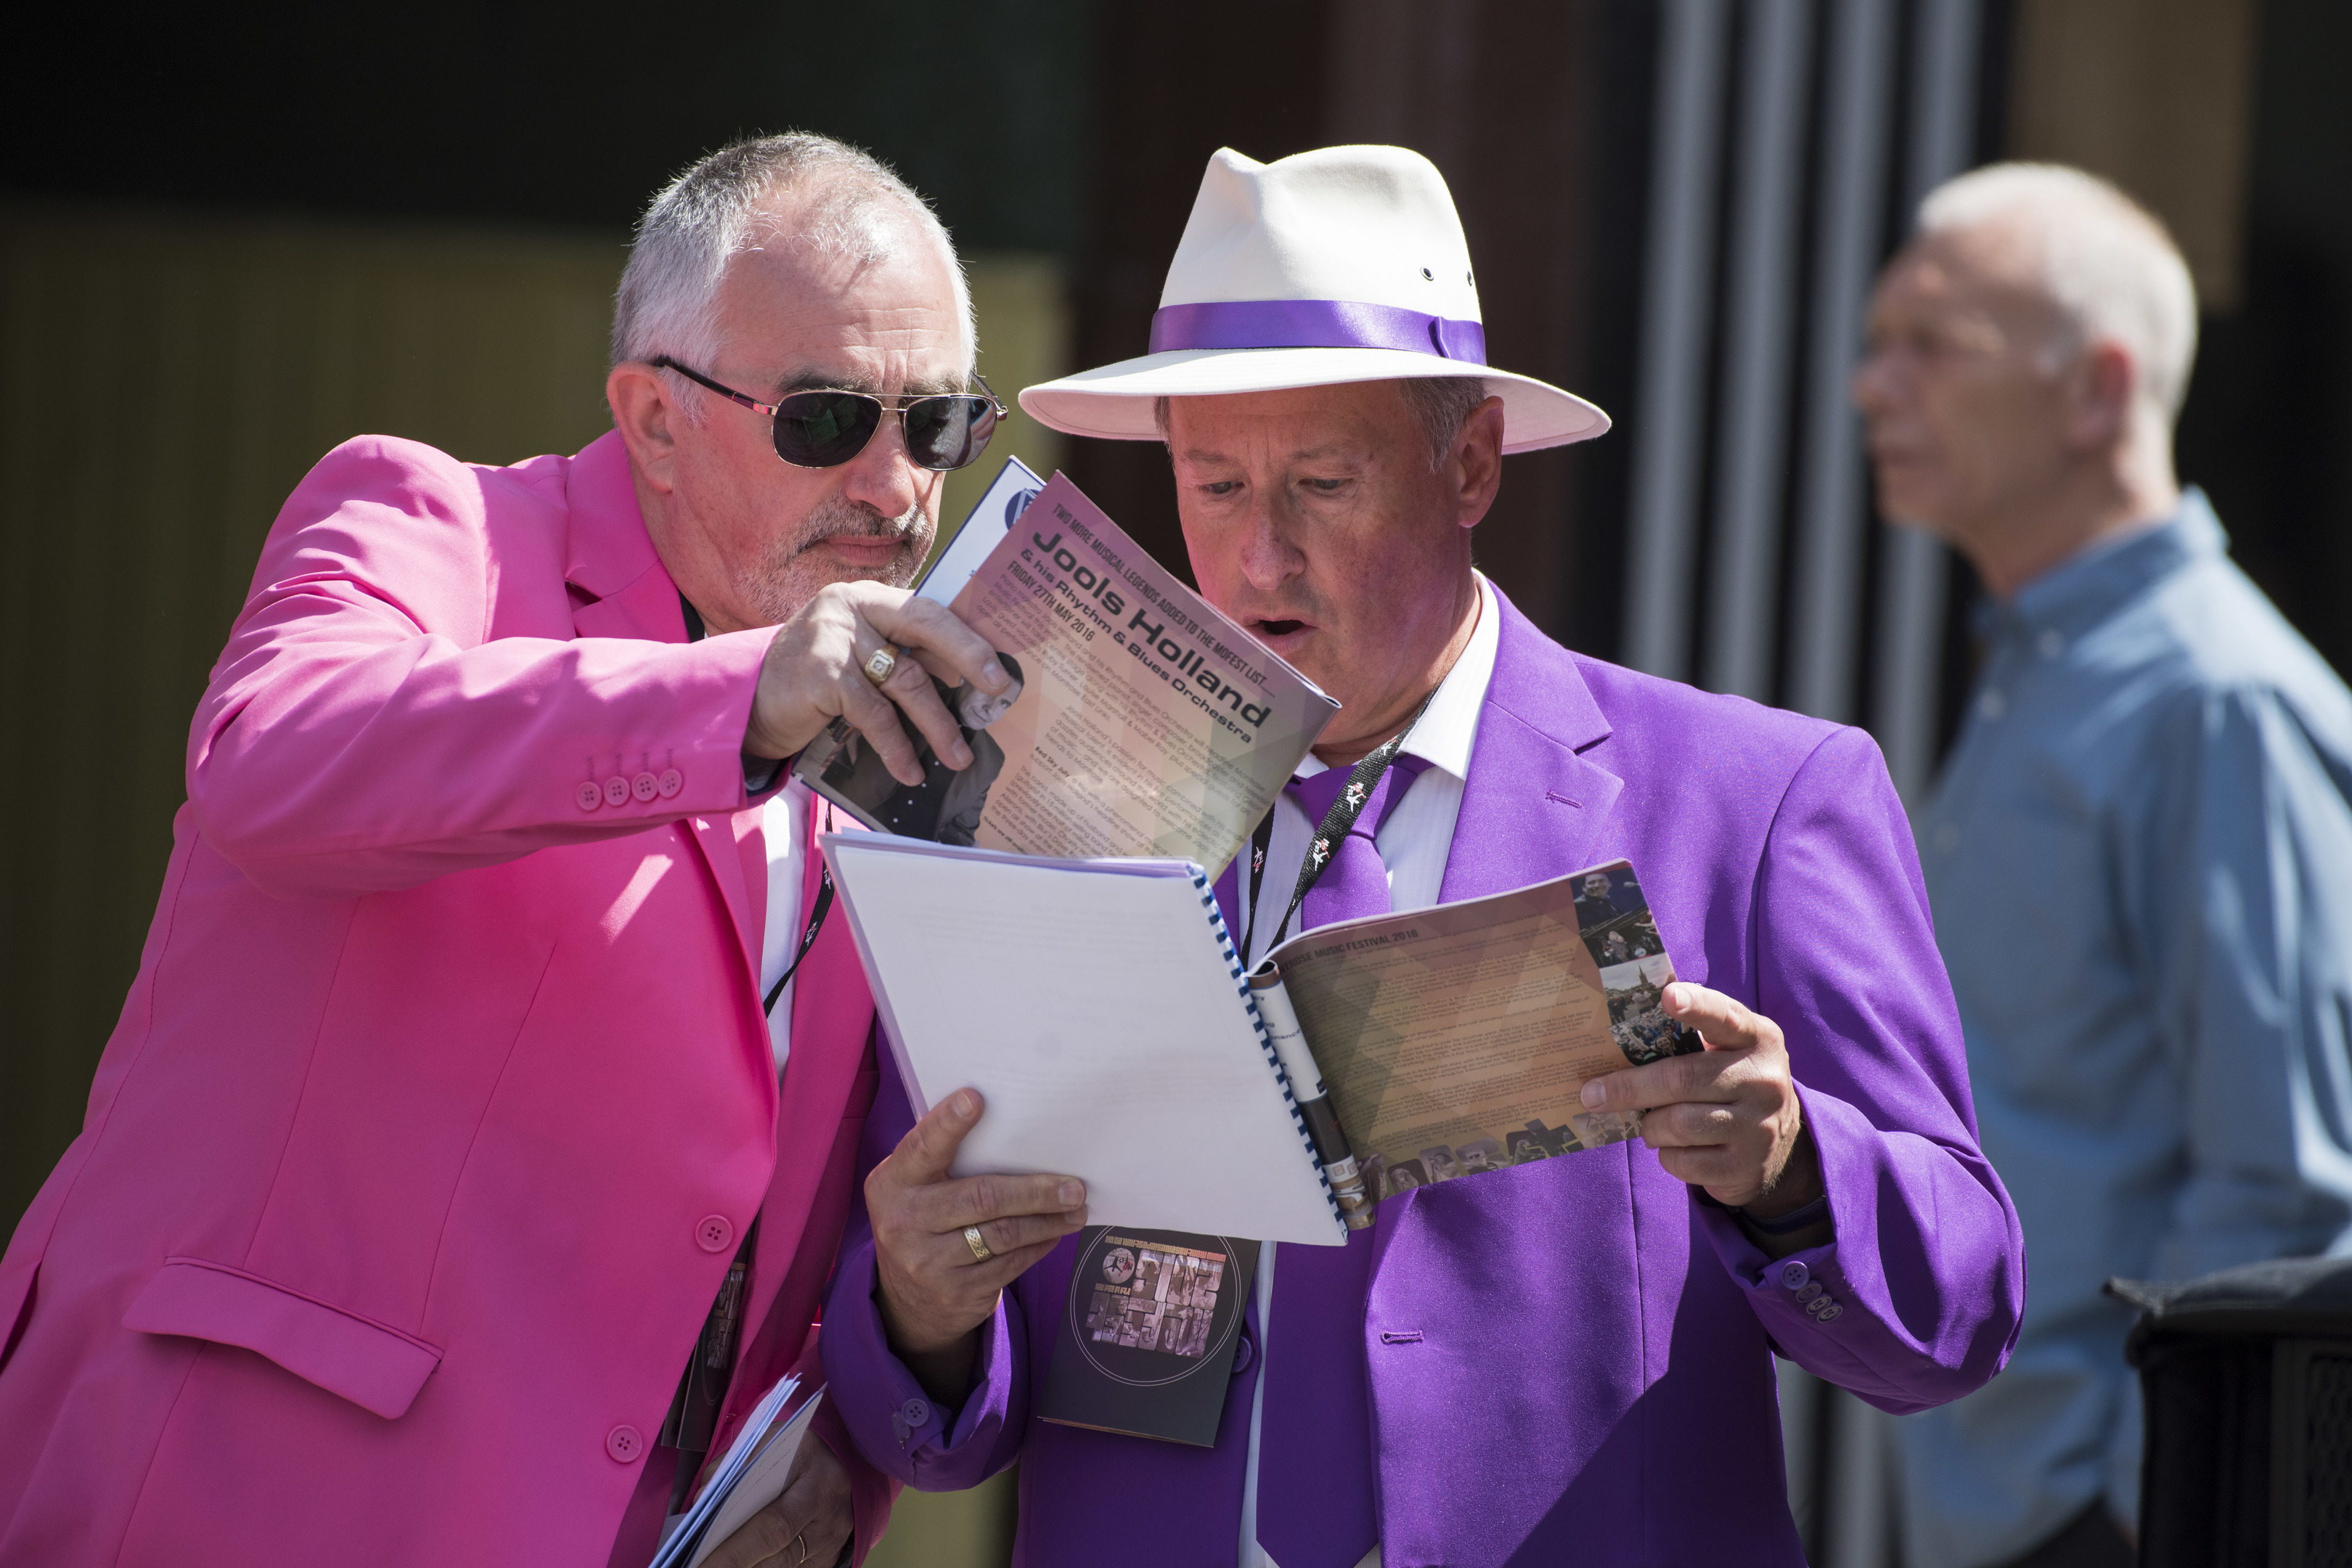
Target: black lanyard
<point>1336,825</point>
<point>694,633</point>
<point>808,937</point>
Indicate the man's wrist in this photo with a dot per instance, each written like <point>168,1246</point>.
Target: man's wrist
<point>1796,1185</point>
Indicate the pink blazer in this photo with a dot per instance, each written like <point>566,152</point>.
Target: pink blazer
<point>443,1097</point>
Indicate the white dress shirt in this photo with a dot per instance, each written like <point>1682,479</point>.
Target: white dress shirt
<point>1414,843</point>
<point>784,823</point>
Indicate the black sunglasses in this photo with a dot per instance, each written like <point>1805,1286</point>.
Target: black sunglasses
<point>825,429</point>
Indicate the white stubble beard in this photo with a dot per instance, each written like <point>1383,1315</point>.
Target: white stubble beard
<point>788,576</point>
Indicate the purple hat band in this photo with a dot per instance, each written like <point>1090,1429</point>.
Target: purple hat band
<point>1314,324</point>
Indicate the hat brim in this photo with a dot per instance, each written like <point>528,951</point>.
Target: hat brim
<point>1114,401</point>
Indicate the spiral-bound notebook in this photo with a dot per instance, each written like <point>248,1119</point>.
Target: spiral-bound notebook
<point>1101,1009</point>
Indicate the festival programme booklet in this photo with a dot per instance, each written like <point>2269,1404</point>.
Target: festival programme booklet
<point>1143,723</point>
<point>1126,1047</point>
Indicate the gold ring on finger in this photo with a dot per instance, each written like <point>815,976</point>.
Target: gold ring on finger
<point>979,1245</point>
<point>884,660</point>
<point>802,1544</point>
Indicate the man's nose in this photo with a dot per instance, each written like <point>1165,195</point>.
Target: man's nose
<point>883,475</point>
<point>1871,386</point>
<point>1268,558</point>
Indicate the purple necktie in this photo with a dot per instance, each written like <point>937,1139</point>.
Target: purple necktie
<point>1315,1507</point>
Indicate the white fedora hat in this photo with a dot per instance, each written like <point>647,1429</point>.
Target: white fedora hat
<point>1344,263</point>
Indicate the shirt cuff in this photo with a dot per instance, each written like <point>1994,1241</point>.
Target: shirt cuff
<point>763,776</point>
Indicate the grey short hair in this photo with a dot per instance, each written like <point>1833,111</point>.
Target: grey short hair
<point>2107,264</point>
<point>1441,403</point>
<point>852,204</point>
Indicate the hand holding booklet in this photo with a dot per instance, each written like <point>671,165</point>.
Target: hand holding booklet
<point>1141,722</point>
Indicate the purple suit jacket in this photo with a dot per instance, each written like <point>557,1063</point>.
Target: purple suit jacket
<point>1570,1360</point>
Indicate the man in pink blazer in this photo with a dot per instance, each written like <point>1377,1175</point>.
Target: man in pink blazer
<point>443,1122</point>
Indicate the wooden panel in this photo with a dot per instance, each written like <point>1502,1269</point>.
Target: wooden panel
<point>164,384</point>
<point>2155,94</point>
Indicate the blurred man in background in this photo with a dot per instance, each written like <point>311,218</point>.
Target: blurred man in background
<point>2139,853</point>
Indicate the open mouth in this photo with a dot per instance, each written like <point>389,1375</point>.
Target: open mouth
<point>1276,628</point>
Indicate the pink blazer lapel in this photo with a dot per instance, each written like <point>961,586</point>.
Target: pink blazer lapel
<point>832,1021</point>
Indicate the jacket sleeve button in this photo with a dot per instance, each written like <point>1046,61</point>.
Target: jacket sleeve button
<point>645,786</point>
<point>1829,1314</point>
<point>914,1413</point>
<point>1812,1288</point>
<point>589,797</point>
<point>1794,1274</point>
<point>714,1232</point>
<point>624,1443</point>
<point>670,782</point>
<point>616,791</point>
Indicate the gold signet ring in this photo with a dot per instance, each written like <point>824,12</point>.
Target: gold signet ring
<point>884,660</point>
<point>972,1238</point>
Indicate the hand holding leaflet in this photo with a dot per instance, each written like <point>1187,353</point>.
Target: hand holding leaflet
<point>747,1479</point>
<point>1141,722</point>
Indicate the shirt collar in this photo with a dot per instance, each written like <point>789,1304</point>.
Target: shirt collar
<point>1449,725</point>
<point>2083,590</point>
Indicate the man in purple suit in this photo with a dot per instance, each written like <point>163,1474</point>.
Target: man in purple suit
<point>1570,1358</point>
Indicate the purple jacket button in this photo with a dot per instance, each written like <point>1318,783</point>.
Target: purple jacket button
<point>1828,1314</point>
<point>714,1232</point>
<point>645,786</point>
<point>589,797</point>
<point>1812,1288</point>
<point>616,791</point>
<point>670,782</point>
<point>1794,1274</point>
<point>625,1443</point>
<point>914,1413</point>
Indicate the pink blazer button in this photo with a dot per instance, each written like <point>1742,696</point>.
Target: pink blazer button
<point>616,791</point>
<point>589,797</point>
<point>645,786</point>
<point>714,1233</point>
<point>670,782</point>
<point>624,1443</point>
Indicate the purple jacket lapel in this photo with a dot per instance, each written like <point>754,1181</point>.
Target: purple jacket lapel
<point>1533,808</point>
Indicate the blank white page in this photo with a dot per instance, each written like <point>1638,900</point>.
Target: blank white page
<point>1090,1004</point>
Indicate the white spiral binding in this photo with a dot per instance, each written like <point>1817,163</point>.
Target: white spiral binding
<point>1265,1038</point>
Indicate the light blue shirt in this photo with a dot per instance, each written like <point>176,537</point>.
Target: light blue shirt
<point>2141,861</point>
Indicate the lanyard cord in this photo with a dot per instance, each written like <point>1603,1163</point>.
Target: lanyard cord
<point>694,633</point>
<point>808,938</point>
<point>1335,827</point>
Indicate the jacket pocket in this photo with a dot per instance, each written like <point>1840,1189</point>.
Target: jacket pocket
<point>376,1368</point>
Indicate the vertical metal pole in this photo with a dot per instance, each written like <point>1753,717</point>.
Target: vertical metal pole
<point>1916,569</point>
<point>1829,544</point>
<point>1744,582</point>
<point>1662,553</point>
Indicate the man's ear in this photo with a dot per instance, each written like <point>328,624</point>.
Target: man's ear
<point>646,418</point>
<point>2100,389</point>
<point>1473,469</point>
